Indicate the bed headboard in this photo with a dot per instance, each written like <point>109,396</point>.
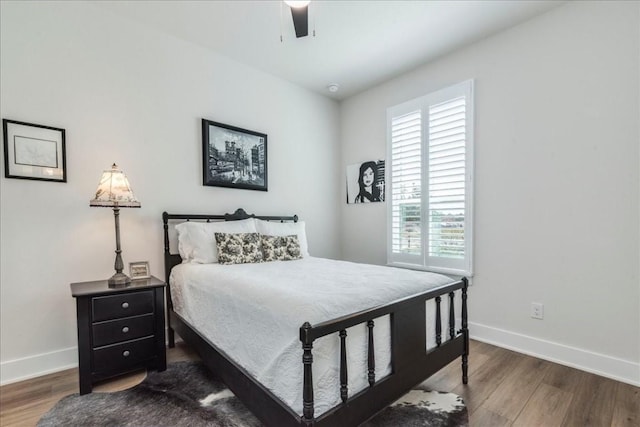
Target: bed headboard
<point>173,259</point>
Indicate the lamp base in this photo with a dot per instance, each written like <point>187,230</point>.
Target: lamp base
<point>119,280</point>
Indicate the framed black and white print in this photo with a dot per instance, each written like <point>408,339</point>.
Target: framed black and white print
<point>34,151</point>
<point>365,182</point>
<point>233,157</point>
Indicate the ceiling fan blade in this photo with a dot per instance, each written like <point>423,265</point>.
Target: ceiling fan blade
<point>301,20</point>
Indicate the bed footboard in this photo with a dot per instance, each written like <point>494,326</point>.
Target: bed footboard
<point>411,363</point>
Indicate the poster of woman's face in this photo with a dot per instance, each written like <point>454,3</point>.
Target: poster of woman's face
<point>365,182</point>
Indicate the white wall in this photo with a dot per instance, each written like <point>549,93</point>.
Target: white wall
<point>127,94</point>
<point>557,184</point>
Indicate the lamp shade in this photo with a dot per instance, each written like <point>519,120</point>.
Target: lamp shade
<point>114,191</point>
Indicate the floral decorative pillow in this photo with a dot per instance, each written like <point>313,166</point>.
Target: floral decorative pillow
<point>238,248</point>
<point>272,228</point>
<point>281,248</point>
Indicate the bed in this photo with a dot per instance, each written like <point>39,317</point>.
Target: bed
<point>346,358</point>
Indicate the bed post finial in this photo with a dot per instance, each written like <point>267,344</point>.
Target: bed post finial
<point>165,222</point>
<point>307,385</point>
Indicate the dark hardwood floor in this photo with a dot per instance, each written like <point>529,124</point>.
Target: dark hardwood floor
<point>512,389</point>
<point>505,389</point>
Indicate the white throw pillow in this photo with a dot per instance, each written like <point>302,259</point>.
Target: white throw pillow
<point>197,241</point>
<point>285,229</point>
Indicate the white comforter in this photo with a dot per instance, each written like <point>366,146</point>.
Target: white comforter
<point>253,313</point>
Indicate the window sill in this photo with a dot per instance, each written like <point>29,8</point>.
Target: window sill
<point>455,274</point>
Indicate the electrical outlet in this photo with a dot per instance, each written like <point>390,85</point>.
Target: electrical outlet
<point>537,310</point>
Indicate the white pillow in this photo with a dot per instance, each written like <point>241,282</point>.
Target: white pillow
<point>197,241</point>
<point>285,229</point>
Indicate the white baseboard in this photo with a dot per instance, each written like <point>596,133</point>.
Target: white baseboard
<point>596,363</point>
<point>625,371</point>
<point>29,367</point>
<point>13,371</point>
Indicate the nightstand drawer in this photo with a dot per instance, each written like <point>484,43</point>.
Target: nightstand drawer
<point>122,305</point>
<point>113,331</point>
<point>121,356</point>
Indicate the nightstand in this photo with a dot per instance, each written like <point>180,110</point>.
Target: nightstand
<point>119,329</point>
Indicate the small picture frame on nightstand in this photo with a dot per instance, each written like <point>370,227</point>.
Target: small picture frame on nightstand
<point>139,270</point>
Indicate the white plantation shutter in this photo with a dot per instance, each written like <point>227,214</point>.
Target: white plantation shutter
<point>447,178</point>
<point>431,162</point>
<point>406,184</point>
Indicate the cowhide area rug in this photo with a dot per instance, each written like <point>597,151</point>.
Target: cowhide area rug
<point>187,395</point>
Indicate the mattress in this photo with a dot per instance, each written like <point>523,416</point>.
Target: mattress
<point>253,313</point>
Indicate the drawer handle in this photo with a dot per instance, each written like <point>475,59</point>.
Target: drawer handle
<point>125,305</point>
<point>125,329</point>
<point>126,353</point>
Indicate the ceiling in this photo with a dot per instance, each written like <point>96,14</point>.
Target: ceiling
<point>357,44</point>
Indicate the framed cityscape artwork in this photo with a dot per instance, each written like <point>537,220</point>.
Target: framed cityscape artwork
<point>233,157</point>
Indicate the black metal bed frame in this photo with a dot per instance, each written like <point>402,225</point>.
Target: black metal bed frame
<point>410,362</point>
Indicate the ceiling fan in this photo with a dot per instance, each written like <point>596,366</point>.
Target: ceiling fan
<point>300,15</point>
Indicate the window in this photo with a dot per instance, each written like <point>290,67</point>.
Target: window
<point>430,193</point>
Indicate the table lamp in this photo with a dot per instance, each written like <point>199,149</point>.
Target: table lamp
<point>114,192</point>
